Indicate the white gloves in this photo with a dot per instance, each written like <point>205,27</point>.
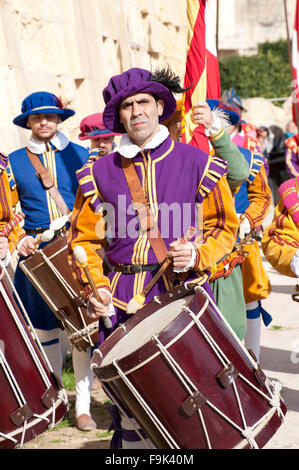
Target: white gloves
<point>245,227</point>
<point>215,127</point>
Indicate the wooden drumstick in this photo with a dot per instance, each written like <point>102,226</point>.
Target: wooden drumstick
<point>81,257</point>
<point>138,300</point>
<point>60,222</point>
<point>45,236</point>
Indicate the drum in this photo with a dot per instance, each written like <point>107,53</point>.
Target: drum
<point>32,398</point>
<point>186,378</point>
<point>50,273</point>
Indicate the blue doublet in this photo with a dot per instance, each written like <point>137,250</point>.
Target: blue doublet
<point>36,203</point>
<point>40,210</point>
<point>255,161</point>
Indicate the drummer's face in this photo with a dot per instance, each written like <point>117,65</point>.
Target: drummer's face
<point>139,115</point>
<point>43,126</point>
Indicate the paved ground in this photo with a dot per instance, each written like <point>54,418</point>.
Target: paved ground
<point>280,354</point>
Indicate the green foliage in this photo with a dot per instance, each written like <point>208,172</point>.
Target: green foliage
<point>101,435</point>
<point>68,376</point>
<point>275,327</point>
<point>266,74</point>
<point>68,379</point>
<point>63,424</point>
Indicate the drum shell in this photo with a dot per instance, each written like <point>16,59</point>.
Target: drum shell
<point>68,310</point>
<point>158,385</point>
<point>15,344</point>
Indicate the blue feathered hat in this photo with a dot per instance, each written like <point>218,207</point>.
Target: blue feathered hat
<point>233,113</point>
<point>41,102</point>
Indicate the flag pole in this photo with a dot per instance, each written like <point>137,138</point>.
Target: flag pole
<point>288,35</point>
<point>293,87</point>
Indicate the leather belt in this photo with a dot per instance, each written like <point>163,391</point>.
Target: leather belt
<point>31,231</point>
<point>134,268</point>
<point>36,231</point>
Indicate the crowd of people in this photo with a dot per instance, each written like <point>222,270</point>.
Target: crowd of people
<point>230,184</point>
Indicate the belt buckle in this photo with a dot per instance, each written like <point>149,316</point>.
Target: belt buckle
<point>135,268</point>
<point>136,202</point>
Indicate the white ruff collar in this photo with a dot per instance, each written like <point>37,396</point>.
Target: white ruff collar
<point>129,150</point>
<point>60,141</point>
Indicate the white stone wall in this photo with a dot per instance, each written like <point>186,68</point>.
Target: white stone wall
<point>72,47</point>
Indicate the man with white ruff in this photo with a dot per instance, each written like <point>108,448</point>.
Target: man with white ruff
<point>42,112</point>
<point>137,102</point>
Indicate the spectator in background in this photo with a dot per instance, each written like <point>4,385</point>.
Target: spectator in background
<point>291,150</point>
<point>291,130</point>
<point>278,172</point>
<point>266,139</point>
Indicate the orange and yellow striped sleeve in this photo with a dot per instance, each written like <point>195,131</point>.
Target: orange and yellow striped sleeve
<point>219,229</point>
<point>87,230</point>
<point>281,241</point>
<point>7,212</point>
<point>259,195</point>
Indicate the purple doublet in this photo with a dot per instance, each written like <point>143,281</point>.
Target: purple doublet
<point>176,182</point>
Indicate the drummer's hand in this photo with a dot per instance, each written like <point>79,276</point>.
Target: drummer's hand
<point>202,114</point>
<point>99,309</point>
<point>27,247</point>
<point>180,253</point>
<point>3,247</point>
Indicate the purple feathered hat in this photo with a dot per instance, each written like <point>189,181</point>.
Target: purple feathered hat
<point>129,83</point>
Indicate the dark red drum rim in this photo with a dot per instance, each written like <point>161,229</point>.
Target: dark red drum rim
<point>144,376</point>
<point>32,398</point>
<point>71,312</point>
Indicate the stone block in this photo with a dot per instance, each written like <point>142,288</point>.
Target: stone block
<point>110,15</point>
<point>12,51</point>
<point>11,137</point>
<point>111,64</point>
<point>170,12</point>
<point>74,63</point>
<point>154,36</point>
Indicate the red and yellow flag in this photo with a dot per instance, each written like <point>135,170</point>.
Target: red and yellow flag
<point>202,70</point>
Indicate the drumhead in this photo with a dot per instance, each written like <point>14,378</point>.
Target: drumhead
<point>143,331</point>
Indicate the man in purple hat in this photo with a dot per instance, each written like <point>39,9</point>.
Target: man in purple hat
<point>173,175</point>
<point>101,139</point>
<point>42,112</point>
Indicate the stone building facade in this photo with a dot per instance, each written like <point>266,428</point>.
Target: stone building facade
<point>72,47</point>
<point>243,24</point>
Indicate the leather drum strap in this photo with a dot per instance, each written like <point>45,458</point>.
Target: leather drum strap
<point>142,206</point>
<point>47,182</point>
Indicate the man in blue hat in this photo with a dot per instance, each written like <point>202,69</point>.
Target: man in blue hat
<point>42,112</point>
